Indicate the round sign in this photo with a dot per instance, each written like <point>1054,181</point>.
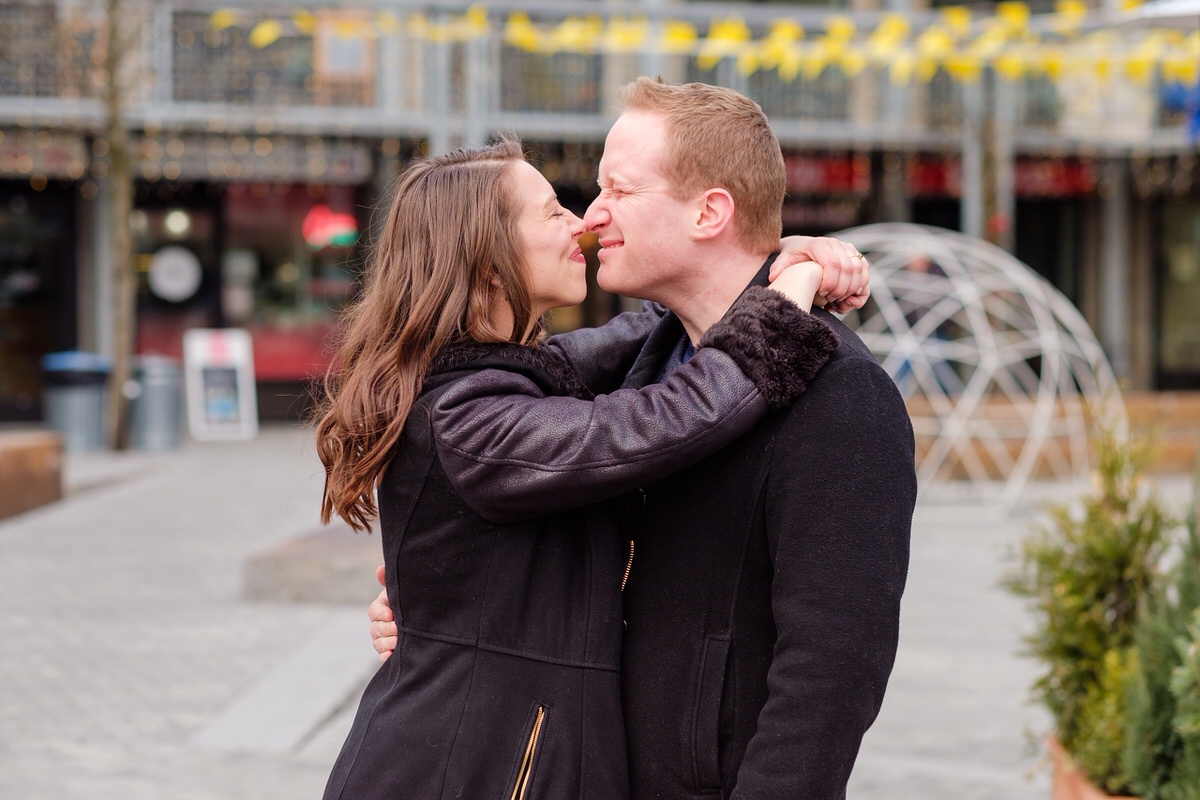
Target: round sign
<point>174,273</point>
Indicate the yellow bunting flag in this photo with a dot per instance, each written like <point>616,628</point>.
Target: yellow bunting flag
<point>816,58</point>
<point>1010,65</point>
<point>265,33</point>
<point>935,43</point>
<point>575,35</point>
<point>387,23</point>
<point>926,69</point>
<point>839,28</point>
<point>900,71</point>
<point>678,37</point>
<point>887,38</point>
<point>957,19</point>
<point>305,22</point>
<point>853,62</point>
<point>780,50</point>
<point>223,19</point>
<point>625,35</point>
<point>1069,15</point>
<point>1052,63</point>
<point>964,68</point>
<point>726,37</point>
<point>521,33</point>
<point>1014,16</point>
<point>349,29</point>
<point>476,20</point>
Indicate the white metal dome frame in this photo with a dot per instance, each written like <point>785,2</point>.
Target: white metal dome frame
<point>1003,378</point>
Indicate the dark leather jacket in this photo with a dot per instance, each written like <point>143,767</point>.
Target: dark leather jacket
<point>763,604</point>
<point>504,567</point>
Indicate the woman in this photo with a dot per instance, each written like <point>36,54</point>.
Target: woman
<point>505,681</point>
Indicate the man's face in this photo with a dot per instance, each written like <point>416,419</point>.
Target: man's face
<point>641,226</point>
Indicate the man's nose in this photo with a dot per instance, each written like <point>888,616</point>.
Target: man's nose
<point>596,216</point>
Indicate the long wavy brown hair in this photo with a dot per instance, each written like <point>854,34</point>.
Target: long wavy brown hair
<point>449,250</point>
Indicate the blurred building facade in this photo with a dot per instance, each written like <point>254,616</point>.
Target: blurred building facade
<point>265,134</point>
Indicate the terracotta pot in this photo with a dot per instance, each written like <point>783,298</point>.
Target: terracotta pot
<point>1069,781</point>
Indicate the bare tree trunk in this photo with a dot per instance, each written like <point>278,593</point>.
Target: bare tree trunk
<point>119,181</point>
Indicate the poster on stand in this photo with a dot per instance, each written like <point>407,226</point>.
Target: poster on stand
<point>219,381</point>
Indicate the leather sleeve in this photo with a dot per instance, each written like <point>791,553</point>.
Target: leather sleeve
<point>839,503</point>
<point>513,453</point>
<point>601,356</point>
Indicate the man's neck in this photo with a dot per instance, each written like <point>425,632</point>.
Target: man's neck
<point>711,293</point>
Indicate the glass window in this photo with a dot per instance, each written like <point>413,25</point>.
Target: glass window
<point>36,301</point>
<point>288,268</point>
<point>1179,336</point>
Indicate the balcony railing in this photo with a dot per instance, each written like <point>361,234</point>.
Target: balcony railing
<point>450,73</point>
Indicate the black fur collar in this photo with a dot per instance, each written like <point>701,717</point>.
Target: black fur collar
<point>546,368</point>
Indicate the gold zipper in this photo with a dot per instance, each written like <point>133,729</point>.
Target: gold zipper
<point>526,771</point>
<point>628,566</point>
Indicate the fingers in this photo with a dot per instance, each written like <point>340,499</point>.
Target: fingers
<point>384,633</point>
<point>843,304</point>
<point>845,280</point>
<point>383,628</point>
<point>384,637</point>
<point>379,610</point>
<point>792,250</point>
<point>845,271</point>
<point>379,572</point>
<point>384,646</point>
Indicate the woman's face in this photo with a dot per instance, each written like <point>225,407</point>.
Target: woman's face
<point>550,236</point>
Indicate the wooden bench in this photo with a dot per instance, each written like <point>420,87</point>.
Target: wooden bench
<point>30,470</point>
<point>1170,422</point>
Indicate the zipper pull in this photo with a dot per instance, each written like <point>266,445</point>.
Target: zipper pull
<point>628,566</point>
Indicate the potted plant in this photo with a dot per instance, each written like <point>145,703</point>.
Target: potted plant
<point>1095,579</point>
<point>1162,755</point>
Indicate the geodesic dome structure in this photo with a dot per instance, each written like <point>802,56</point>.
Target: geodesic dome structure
<point>1002,376</point>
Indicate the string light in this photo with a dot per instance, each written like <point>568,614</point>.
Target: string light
<point>1013,42</point>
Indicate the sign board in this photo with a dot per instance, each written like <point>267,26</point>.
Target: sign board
<point>219,379</point>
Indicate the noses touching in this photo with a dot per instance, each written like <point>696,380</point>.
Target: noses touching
<point>596,217</point>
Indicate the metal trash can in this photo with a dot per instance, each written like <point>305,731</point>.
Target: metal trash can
<point>75,394</point>
<point>156,404</point>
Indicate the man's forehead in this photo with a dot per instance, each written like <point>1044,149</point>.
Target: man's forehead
<point>628,148</point>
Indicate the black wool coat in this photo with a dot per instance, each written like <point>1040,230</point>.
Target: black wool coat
<point>504,568</point>
<point>763,602</point>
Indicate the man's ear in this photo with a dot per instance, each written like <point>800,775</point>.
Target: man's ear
<point>713,213</point>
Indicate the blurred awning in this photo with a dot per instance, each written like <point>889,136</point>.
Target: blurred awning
<point>1164,14</point>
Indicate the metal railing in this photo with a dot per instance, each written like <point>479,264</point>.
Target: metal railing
<point>452,73</point>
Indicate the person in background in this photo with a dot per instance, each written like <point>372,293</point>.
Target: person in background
<point>497,478</point>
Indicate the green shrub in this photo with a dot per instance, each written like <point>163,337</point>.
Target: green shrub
<point>1163,751</point>
<point>1086,574</point>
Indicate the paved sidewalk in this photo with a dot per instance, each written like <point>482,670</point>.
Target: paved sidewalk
<point>138,663</point>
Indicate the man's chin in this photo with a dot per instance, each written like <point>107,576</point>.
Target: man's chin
<point>609,278</point>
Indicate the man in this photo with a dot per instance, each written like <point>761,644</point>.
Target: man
<point>762,609</point>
